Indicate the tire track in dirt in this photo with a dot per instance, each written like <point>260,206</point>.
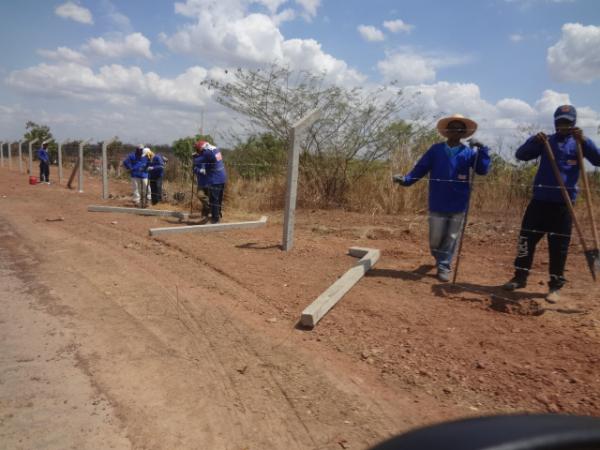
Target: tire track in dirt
<point>279,417</point>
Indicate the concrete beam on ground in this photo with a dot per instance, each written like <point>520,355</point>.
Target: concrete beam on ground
<point>327,300</point>
<point>138,211</point>
<point>210,228</point>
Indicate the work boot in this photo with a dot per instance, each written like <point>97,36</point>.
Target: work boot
<point>514,283</point>
<point>553,296</point>
<point>443,275</point>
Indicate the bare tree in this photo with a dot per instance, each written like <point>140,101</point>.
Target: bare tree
<point>355,127</point>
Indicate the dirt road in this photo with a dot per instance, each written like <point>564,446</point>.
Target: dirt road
<point>113,339</point>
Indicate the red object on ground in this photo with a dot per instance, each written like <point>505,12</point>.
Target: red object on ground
<point>33,180</point>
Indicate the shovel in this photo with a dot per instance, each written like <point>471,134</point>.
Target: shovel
<point>591,256</point>
<point>466,217</point>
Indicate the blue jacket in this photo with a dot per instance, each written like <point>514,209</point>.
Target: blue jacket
<point>200,171</point>
<point>449,187</point>
<point>43,155</point>
<point>545,186</point>
<point>137,166</point>
<point>156,168</point>
<point>212,162</point>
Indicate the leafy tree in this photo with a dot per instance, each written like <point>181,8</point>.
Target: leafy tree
<point>261,155</point>
<point>183,149</point>
<point>42,133</point>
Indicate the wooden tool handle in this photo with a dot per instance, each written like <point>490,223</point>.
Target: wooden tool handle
<point>563,190</point>
<point>588,197</point>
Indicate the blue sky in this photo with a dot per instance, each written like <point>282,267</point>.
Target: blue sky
<point>99,68</point>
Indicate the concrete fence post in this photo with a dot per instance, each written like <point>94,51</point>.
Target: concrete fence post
<point>80,179</point>
<point>60,169</point>
<point>31,155</point>
<point>105,145</point>
<point>9,156</point>
<point>292,177</point>
<point>21,156</point>
<point>1,153</point>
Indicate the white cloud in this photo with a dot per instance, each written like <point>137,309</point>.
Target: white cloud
<point>395,26</point>
<point>370,33</point>
<point>135,44</point>
<point>409,67</point>
<point>73,11</point>
<point>406,68</point>
<point>284,16</point>
<point>225,33</point>
<point>551,100</point>
<point>63,54</point>
<point>117,18</point>
<point>513,107</point>
<point>575,57</point>
<point>115,84</point>
<point>515,37</point>
<point>306,54</point>
<point>500,121</point>
<point>310,7</point>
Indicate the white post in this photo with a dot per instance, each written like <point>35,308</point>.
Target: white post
<point>60,172</point>
<point>31,155</point>
<point>105,145</point>
<point>9,156</point>
<point>21,156</point>
<point>80,179</point>
<point>292,177</point>
<point>1,154</point>
<point>49,162</point>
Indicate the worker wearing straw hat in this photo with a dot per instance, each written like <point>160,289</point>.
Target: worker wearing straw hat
<point>448,165</point>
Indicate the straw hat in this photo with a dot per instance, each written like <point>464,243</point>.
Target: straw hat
<point>442,125</point>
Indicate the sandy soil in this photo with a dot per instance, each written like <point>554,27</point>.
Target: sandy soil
<point>113,339</point>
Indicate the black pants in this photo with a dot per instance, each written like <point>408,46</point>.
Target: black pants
<point>156,190</point>
<point>542,218</point>
<point>44,171</point>
<point>215,199</point>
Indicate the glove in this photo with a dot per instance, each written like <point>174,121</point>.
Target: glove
<point>578,134</point>
<point>400,179</point>
<point>476,143</point>
<point>202,171</point>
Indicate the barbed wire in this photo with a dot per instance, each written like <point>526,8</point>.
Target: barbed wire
<point>460,221</point>
<point>471,256</point>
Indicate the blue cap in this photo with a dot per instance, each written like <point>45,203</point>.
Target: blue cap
<point>567,112</point>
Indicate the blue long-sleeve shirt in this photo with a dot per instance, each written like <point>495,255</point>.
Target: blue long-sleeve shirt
<point>156,167</point>
<point>545,184</point>
<point>138,166</point>
<point>212,162</point>
<point>200,171</point>
<point>43,156</point>
<point>449,186</point>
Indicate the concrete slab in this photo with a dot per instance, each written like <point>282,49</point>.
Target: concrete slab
<point>210,228</point>
<point>327,300</point>
<point>138,211</point>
